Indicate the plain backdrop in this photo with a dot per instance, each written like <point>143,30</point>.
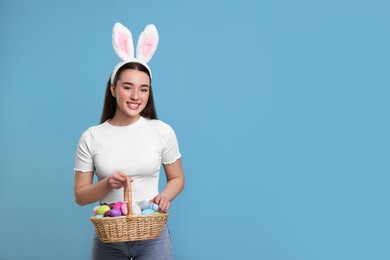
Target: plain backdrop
<point>281,109</point>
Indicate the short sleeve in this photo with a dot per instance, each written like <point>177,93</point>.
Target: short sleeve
<point>170,146</point>
<point>84,160</point>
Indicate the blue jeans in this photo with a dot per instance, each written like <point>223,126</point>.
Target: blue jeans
<point>152,249</point>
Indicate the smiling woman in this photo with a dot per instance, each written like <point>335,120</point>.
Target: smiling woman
<point>129,142</point>
<point>132,94</point>
<point>110,103</point>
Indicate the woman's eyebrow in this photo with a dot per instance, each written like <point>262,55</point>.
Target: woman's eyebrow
<point>129,83</point>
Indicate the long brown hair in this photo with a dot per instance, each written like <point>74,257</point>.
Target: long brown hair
<point>109,106</point>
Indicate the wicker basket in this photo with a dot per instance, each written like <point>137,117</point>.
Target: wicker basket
<point>130,227</point>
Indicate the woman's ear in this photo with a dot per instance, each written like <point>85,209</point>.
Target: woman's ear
<point>112,89</point>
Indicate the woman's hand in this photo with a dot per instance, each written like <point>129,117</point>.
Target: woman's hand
<point>175,184</point>
<point>162,201</point>
<point>117,180</point>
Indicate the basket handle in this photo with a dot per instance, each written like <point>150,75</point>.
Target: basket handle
<point>127,196</point>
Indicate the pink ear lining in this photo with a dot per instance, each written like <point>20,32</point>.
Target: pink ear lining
<point>148,44</point>
<point>123,43</point>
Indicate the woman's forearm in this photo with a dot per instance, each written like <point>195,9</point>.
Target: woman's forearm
<point>173,187</point>
<point>90,193</point>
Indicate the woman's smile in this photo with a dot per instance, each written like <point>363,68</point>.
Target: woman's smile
<point>133,106</point>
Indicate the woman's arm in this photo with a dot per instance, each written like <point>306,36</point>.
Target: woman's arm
<point>175,184</point>
<point>86,192</point>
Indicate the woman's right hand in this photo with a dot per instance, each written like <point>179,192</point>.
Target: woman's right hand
<point>117,180</point>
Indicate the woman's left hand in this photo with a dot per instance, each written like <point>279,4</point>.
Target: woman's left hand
<point>162,201</point>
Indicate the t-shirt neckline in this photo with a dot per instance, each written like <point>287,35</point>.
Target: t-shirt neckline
<point>139,120</point>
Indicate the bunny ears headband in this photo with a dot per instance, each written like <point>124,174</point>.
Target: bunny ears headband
<point>122,41</point>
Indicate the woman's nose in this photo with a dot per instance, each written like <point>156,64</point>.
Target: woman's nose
<point>134,95</point>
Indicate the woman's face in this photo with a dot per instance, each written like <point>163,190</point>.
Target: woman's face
<point>131,93</point>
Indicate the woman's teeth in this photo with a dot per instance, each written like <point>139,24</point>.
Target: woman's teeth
<point>133,106</point>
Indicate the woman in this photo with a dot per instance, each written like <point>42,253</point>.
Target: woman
<point>130,141</point>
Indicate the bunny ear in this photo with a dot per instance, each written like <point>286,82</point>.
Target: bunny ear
<point>122,41</point>
<point>147,43</point>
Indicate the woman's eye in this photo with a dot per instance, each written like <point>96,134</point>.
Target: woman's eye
<point>144,90</point>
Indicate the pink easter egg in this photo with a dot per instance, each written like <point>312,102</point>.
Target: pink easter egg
<point>118,205</point>
<point>124,209</point>
<point>94,209</point>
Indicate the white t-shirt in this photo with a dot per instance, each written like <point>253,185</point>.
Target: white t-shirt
<point>136,150</point>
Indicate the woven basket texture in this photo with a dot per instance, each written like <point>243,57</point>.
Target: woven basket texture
<point>130,227</point>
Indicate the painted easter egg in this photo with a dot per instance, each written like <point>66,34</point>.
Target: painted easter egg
<point>154,207</point>
<point>136,210</point>
<point>118,205</point>
<point>102,209</point>
<point>147,211</point>
<point>115,213</point>
<point>144,204</point>
<point>94,209</point>
<point>124,208</point>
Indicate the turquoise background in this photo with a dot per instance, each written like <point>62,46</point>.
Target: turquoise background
<point>281,109</point>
